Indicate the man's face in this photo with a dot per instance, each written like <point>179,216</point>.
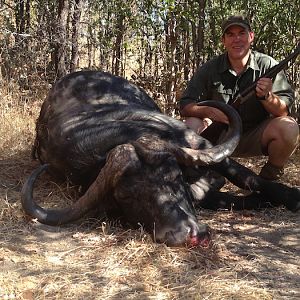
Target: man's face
<point>237,41</point>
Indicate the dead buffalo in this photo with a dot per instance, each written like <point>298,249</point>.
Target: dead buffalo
<point>107,135</point>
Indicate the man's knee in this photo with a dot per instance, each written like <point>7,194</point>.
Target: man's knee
<point>195,124</point>
<point>283,129</point>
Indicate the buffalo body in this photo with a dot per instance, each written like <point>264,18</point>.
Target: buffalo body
<point>107,135</point>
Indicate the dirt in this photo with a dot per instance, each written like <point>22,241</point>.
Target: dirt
<point>254,254</point>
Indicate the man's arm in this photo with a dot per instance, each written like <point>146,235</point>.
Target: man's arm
<point>198,90</point>
<point>277,97</point>
<point>202,112</point>
<point>274,105</point>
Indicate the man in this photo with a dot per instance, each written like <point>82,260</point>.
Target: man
<point>267,128</point>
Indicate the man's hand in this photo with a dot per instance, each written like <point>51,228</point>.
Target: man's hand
<point>271,102</point>
<point>263,87</point>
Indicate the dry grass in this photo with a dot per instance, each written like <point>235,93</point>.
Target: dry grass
<point>254,255</point>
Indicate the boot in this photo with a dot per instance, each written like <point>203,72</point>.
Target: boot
<point>271,172</point>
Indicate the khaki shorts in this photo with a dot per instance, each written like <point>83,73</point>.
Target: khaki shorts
<point>250,142</point>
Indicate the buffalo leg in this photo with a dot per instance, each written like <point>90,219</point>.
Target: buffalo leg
<point>267,191</point>
<point>220,200</point>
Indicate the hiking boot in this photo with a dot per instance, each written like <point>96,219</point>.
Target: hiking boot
<point>271,172</point>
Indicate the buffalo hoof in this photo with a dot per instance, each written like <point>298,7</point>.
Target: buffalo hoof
<point>293,200</point>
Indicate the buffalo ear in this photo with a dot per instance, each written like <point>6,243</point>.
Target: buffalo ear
<point>151,150</point>
<point>121,159</point>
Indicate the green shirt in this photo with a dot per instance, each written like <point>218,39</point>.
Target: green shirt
<point>215,80</point>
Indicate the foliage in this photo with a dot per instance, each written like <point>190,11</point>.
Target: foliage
<point>157,43</point>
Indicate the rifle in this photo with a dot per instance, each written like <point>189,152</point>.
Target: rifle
<point>270,73</point>
<point>212,132</point>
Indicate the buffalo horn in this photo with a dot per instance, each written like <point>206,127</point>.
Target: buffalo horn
<point>218,152</point>
<point>118,160</point>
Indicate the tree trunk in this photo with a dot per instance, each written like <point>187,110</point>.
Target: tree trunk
<point>27,15</point>
<point>22,19</point>
<point>200,31</point>
<point>186,53</point>
<point>75,35</point>
<point>60,51</point>
<point>20,16</point>
<point>117,63</point>
<point>170,73</point>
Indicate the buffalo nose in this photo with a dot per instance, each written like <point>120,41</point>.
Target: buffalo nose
<point>199,236</point>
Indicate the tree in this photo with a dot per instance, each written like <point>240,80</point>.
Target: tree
<point>60,43</point>
<point>75,34</point>
<point>157,43</point>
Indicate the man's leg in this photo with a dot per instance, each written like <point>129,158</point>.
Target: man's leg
<point>276,138</point>
<point>279,140</point>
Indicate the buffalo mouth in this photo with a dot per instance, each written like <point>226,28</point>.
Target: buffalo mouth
<point>201,237</point>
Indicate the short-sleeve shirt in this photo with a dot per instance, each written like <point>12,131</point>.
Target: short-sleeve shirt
<point>215,80</point>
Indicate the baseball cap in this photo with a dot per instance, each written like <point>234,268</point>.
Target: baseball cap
<point>235,20</point>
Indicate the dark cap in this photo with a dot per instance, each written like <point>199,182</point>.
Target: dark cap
<point>235,20</point>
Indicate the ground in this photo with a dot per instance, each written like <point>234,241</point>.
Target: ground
<point>253,254</point>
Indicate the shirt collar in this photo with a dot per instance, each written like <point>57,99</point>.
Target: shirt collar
<point>253,62</point>
<point>225,64</point>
